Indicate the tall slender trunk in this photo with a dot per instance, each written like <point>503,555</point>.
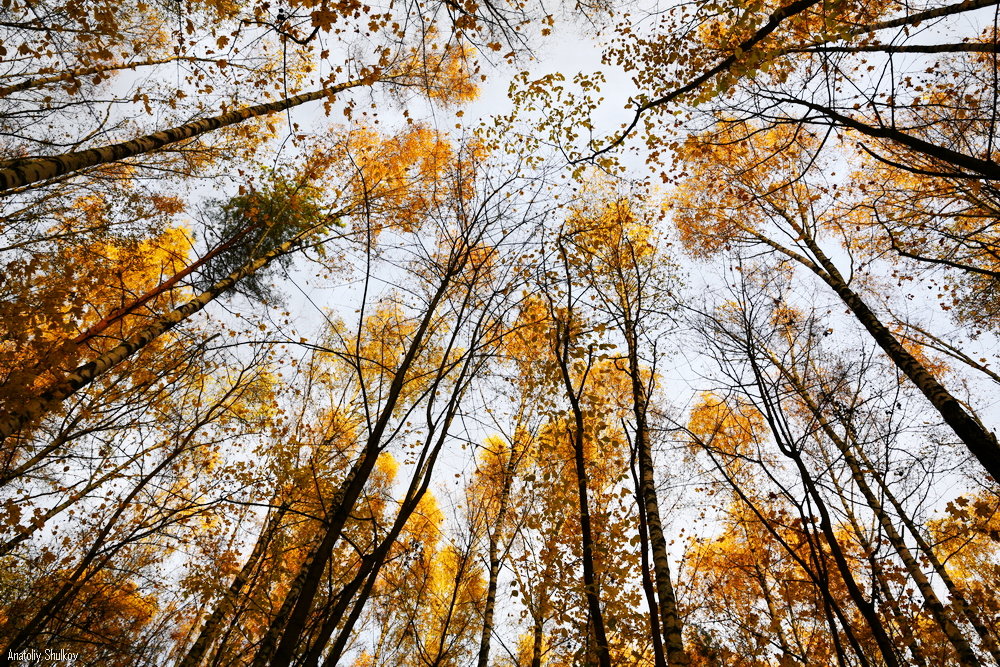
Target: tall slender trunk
<point>539,606</point>
<point>25,171</point>
<point>370,567</point>
<point>483,657</point>
<point>655,629</point>
<point>879,576</point>
<point>69,75</point>
<point>927,552</point>
<point>881,580</point>
<point>537,636</point>
<point>865,607</point>
<point>357,591</point>
<point>980,442</point>
<point>817,575</point>
<point>162,288</point>
<point>495,561</point>
<point>340,643</point>
<point>562,353</point>
<point>83,572</point>
<point>278,646</point>
<point>772,413</point>
<point>591,585</point>
<point>669,618</point>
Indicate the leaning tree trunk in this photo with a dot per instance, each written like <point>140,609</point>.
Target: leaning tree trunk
<point>591,585</point>
<point>927,553</point>
<point>495,559</point>
<point>655,629</point>
<point>980,442</point>
<point>162,288</point>
<point>880,578</point>
<point>791,450</point>
<point>70,75</point>
<point>369,568</point>
<point>278,646</point>
<point>25,171</point>
<point>279,642</point>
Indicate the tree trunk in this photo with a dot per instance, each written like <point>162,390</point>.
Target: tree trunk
<point>25,171</point>
<point>980,442</point>
<point>369,568</point>
<point>669,618</point>
<point>789,449</point>
<point>562,356</point>
<point>593,593</point>
<point>291,620</point>
<point>817,576</point>
<point>537,635</point>
<point>878,572</point>
<point>957,596</point>
<point>39,81</point>
<point>162,288</point>
<point>655,628</point>
<point>292,616</point>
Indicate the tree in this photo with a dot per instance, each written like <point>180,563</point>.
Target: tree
<point>800,64</point>
<point>791,369</point>
<point>282,391</point>
<point>767,188</point>
<point>262,227</point>
<point>407,360</point>
<point>611,242</point>
<point>573,363</point>
<point>488,499</point>
<point>147,495</point>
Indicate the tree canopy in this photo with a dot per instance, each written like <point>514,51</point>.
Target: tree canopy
<point>315,349</point>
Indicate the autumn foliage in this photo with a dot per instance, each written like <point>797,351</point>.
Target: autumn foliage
<point>311,356</point>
